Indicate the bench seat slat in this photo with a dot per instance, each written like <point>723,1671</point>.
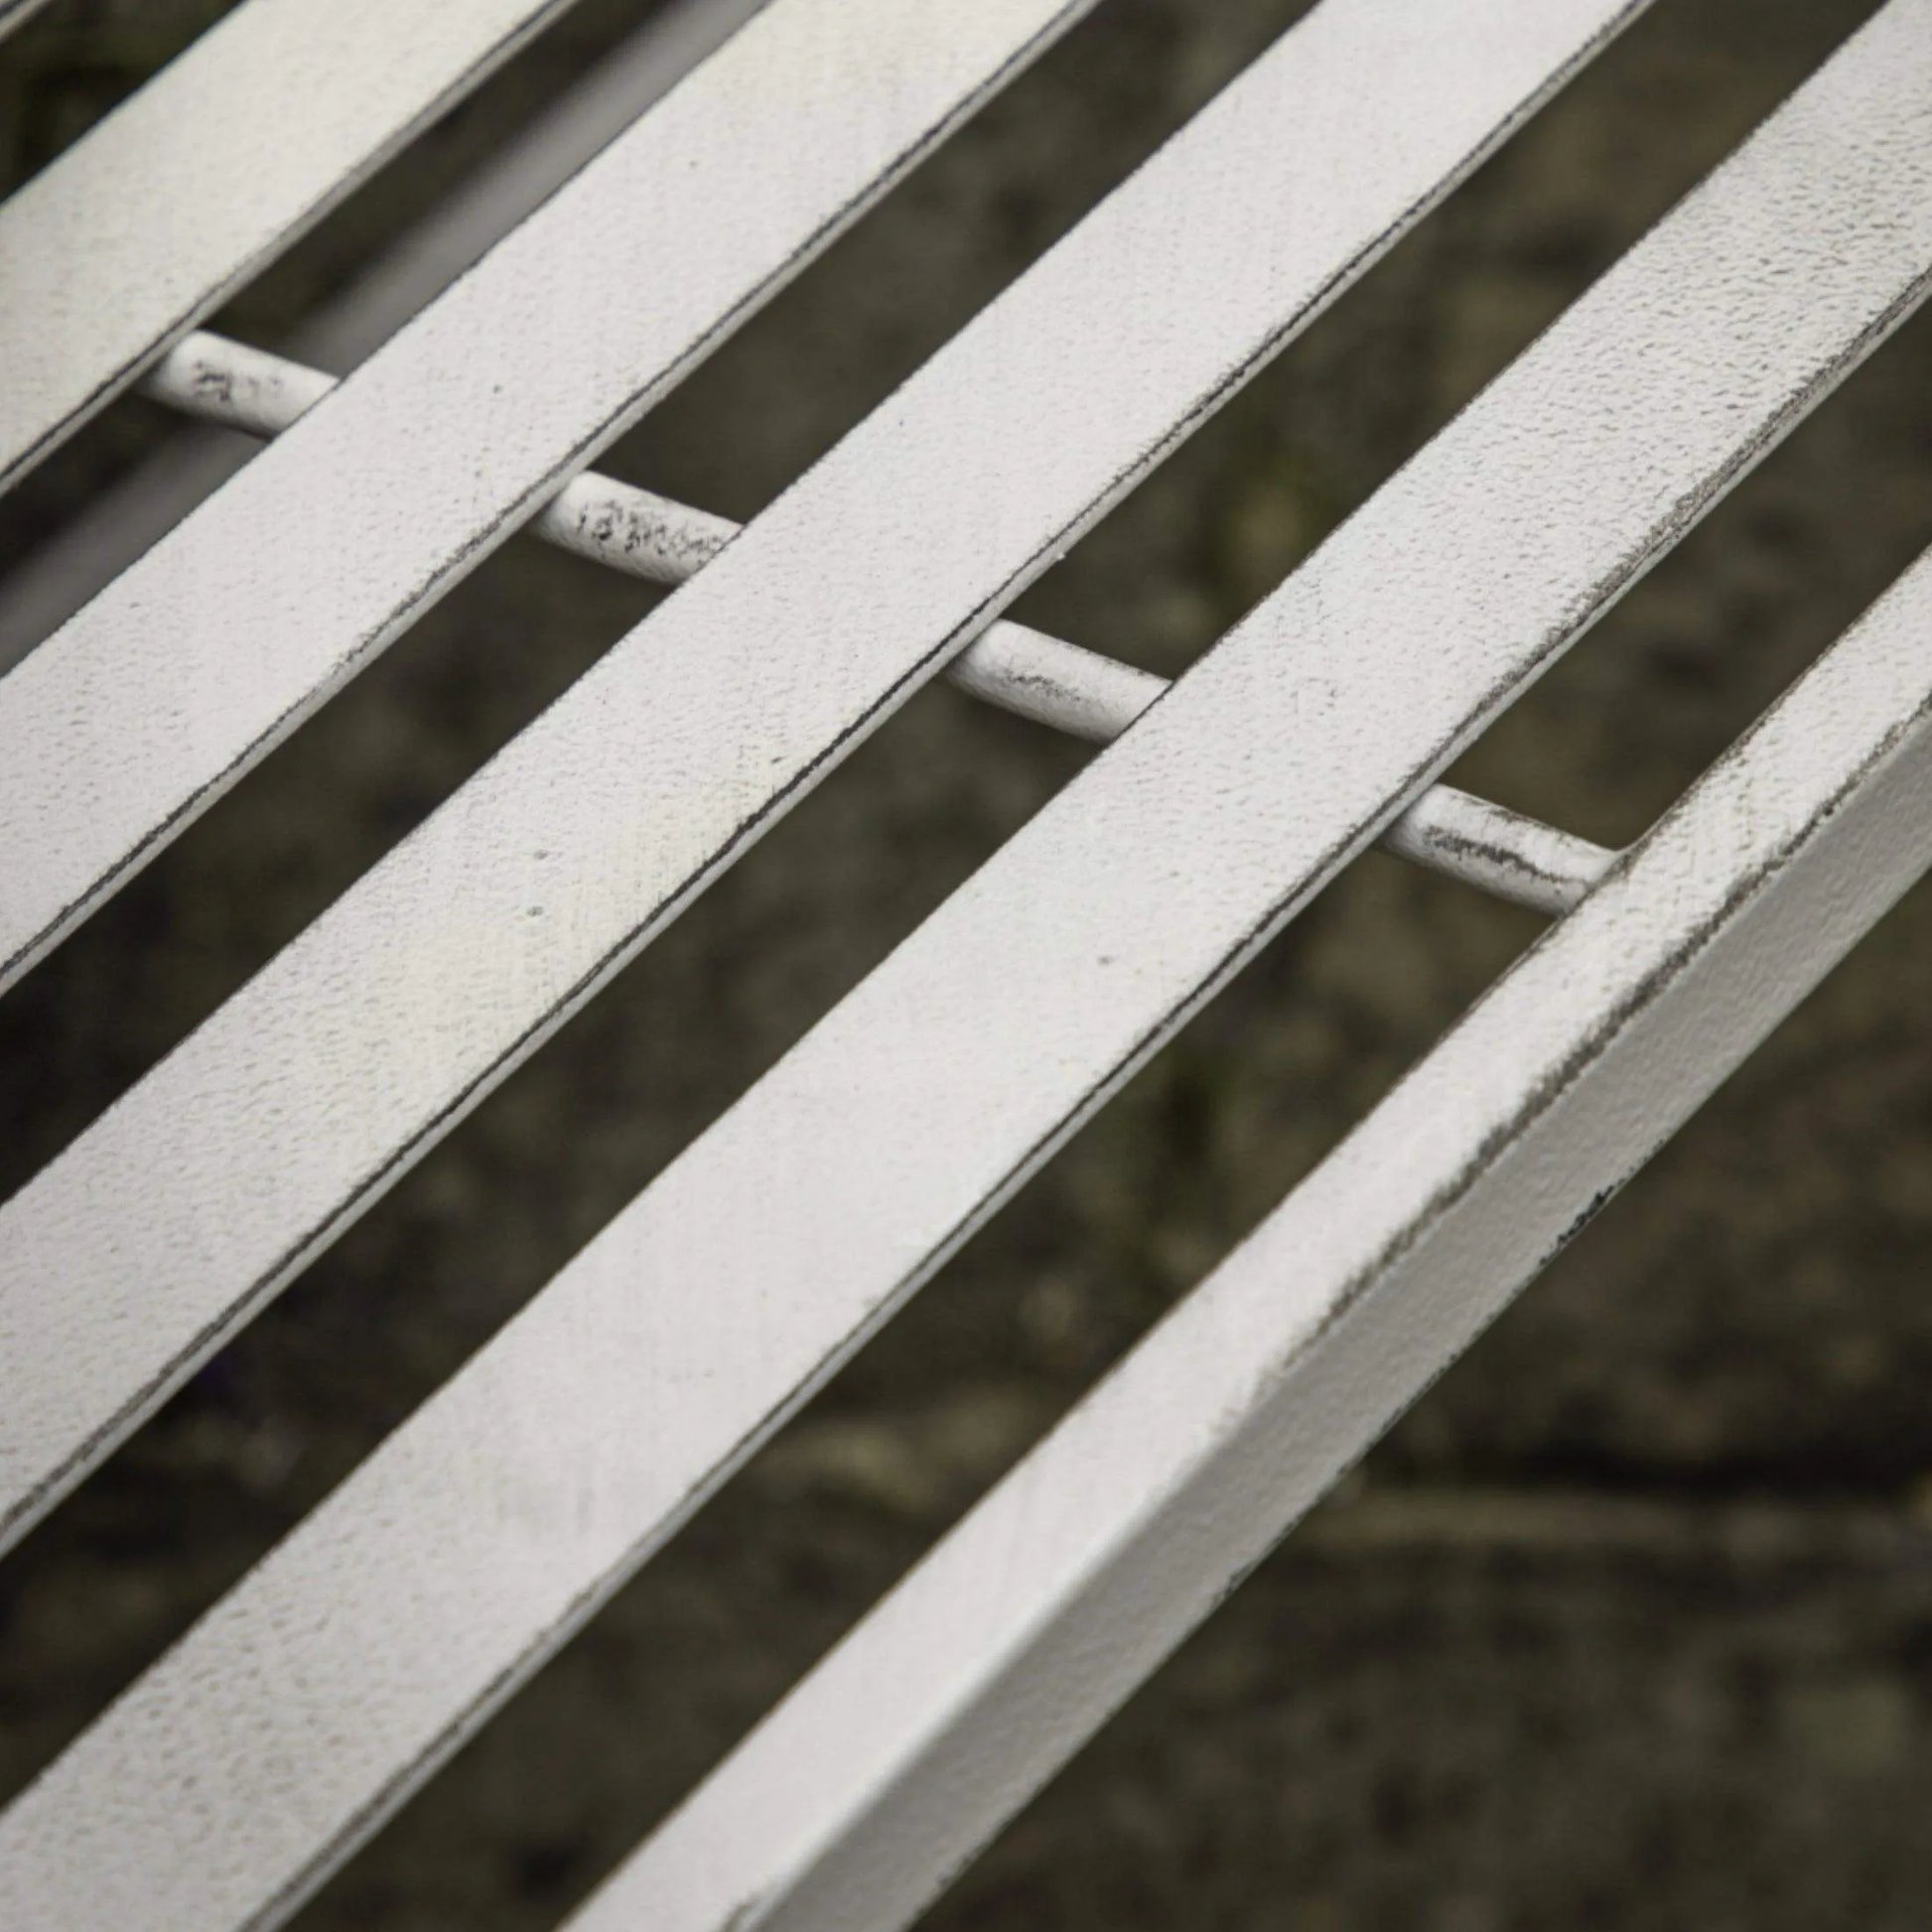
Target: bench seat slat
<point>194,664</point>
<point>967,1688</point>
<point>15,12</point>
<point>189,1202</point>
<point>495,1521</point>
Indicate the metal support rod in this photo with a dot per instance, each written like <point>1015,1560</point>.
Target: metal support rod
<point>15,12</point>
<point>1018,669</point>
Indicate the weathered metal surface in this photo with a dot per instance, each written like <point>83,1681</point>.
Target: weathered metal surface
<point>151,701</point>
<point>969,1685</point>
<point>1021,670</point>
<point>1496,850</point>
<point>495,1521</point>
<point>170,1221</point>
<point>219,380</point>
<point>157,213</point>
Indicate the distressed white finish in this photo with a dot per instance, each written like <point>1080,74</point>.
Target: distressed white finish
<point>164,207</point>
<point>227,382</point>
<point>1019,669</point>
<point>127,1260</point>
<point>975,1681</point>
<point>495,1520</point>
<point>188,668</point>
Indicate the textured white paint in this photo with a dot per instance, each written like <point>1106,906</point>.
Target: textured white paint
<point>1020,671</point>
<point>498,1517</point>
<point>190,185</point>
<point>963,1692</point>
<point>186,1204</point>
<point>151,701</point>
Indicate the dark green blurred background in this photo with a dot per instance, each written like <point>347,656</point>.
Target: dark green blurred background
<point>1629,1622</point>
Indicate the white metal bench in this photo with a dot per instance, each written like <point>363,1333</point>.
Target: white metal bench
<point>470,1545</point>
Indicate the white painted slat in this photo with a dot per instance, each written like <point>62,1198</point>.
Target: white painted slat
<point>970,1685</point>
<point>194,664</point>
<point>1010,665</point>
<point>1497,851</point>
<point>174,1215</point>
<point>14,12</point>
<point>190,185</point>
<point>42,591</point>
<point>497,1518</point>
